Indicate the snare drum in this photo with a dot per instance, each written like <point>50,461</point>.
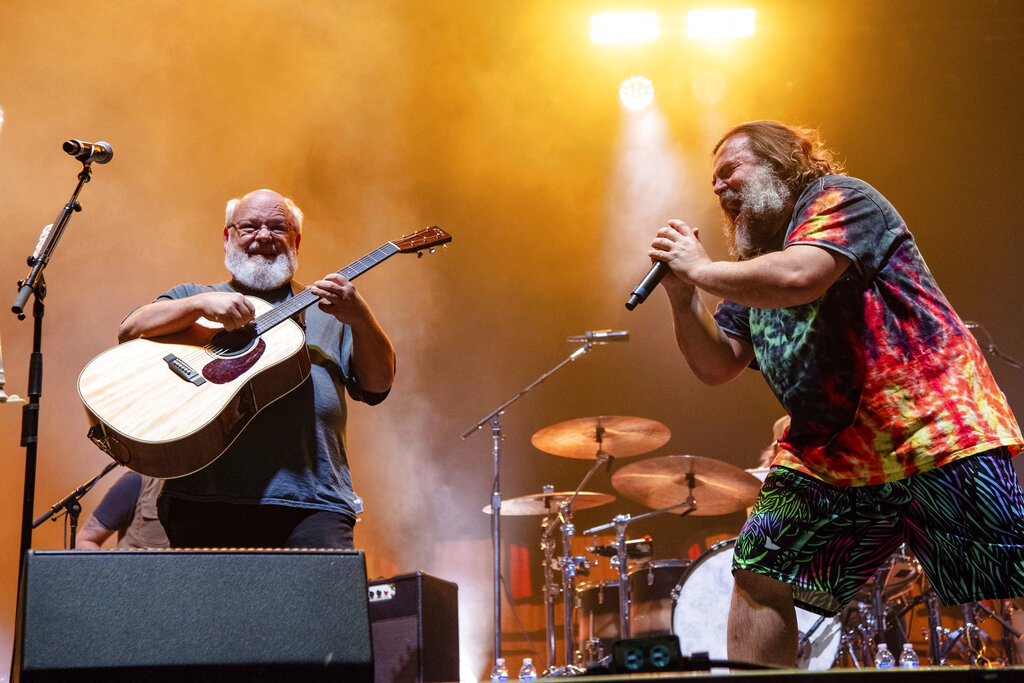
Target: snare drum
<point>700,613</point>
<point>597,609</point>
<point>650,596</point>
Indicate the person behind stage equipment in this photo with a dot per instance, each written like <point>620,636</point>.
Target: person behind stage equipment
<point>767,456</point>
<point>898,431</point>
<point>285,481</point>
<point>129,509</point>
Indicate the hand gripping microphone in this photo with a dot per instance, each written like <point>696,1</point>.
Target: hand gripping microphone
<point>647,285</point>
<point>88,152</point>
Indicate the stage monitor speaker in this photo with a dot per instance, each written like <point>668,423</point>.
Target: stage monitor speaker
<point>415,624</point>
<point>194,615</point>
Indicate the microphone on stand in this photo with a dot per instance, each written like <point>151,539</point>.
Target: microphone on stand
<point>600,337</point>
<point>647,285</point>
<point>88,152</point>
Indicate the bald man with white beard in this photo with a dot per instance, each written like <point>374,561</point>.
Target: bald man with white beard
<point>285,481</point>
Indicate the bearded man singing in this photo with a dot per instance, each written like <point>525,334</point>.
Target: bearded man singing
<point>898,431</point>
<point>284,482</point>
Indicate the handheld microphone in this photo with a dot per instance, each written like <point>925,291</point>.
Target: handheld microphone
<point>88,152</point>
<point>600,337</point>
<point>647,285</point>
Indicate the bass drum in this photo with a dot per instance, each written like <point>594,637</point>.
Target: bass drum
<point>700,613</point>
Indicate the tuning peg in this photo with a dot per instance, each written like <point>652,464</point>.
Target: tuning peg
<point>433,249</point>
<point>419,254</point>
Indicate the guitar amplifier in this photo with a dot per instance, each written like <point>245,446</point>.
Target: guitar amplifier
<point>414,619</point>
<point>193,615</point>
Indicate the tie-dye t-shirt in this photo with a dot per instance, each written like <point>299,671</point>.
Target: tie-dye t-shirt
<point>880,376</point>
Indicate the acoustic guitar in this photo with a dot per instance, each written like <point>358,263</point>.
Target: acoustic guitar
<point>169,406</point>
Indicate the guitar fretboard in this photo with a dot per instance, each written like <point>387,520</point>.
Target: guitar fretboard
<point>306,298</point>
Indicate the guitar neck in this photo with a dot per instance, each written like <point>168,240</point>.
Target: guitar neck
<point>306,298</point>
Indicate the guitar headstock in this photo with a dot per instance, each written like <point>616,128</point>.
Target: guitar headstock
<point>428,238</point>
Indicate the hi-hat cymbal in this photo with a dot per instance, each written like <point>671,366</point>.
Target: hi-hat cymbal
<point>621,437</point>
<point>546,503</point>
<point>718,487</point>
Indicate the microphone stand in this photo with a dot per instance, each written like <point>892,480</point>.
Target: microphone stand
<point>34,284</point>
<point>70,503</point>
<point>494,419</point>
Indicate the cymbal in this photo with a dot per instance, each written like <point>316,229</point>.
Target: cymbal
<point>546,503</point>
<point>719,488</point>
<point>621,437</point>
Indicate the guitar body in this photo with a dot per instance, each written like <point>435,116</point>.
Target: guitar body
<point>169,406</point>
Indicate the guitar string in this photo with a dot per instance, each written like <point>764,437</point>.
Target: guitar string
<point>199,355</point>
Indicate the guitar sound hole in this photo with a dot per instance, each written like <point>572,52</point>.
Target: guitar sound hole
<point>232,344</point>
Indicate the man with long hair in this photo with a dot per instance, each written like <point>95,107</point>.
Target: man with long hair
<point>898,431</point>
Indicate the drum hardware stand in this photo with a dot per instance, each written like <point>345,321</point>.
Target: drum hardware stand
<point>1010,634</point>
<point>878,607</point>
<point>931,600</point>
<point>570,564</point>
<point>551,590</point>
<point>494,419</point>
<point>968,638</point>
<point>881,608</point>
<point>846,643</point>
<point>620,522</point>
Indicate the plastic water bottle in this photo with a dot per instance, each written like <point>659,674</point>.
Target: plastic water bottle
<point>908,658</point>
<point>884,658</point>
<point>528,672</point>
<point>500,671</point>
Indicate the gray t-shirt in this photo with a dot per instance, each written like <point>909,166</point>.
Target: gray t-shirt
<point>293,452</point>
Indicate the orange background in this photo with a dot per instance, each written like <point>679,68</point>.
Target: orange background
<point>498,122</point>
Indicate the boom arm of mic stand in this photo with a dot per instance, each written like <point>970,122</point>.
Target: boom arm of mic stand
<point>500,409</point>
<point>73,497</point>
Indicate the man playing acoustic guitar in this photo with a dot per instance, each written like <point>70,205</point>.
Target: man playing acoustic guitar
<point>284,481</point>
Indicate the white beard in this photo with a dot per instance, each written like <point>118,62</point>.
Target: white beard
<point>762,202</point>
<point>260,273</point>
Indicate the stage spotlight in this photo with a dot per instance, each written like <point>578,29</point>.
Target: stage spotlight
<point>624,27</point>
<point>636,93</point>
<point>720,23</point>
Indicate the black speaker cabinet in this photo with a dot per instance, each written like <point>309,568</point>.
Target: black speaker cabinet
<point>203,615</point>
<point>415,623</point>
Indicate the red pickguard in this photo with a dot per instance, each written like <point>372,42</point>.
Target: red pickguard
<point>224,370</point>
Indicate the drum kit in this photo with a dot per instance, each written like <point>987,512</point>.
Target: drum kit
<point>691,599</point>
<point>644,599</point>
<point>883,611</point>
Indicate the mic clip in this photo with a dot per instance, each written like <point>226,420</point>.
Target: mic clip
<point>599,337</point>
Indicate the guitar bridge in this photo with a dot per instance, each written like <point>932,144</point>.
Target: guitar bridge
<point>183,370</point>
